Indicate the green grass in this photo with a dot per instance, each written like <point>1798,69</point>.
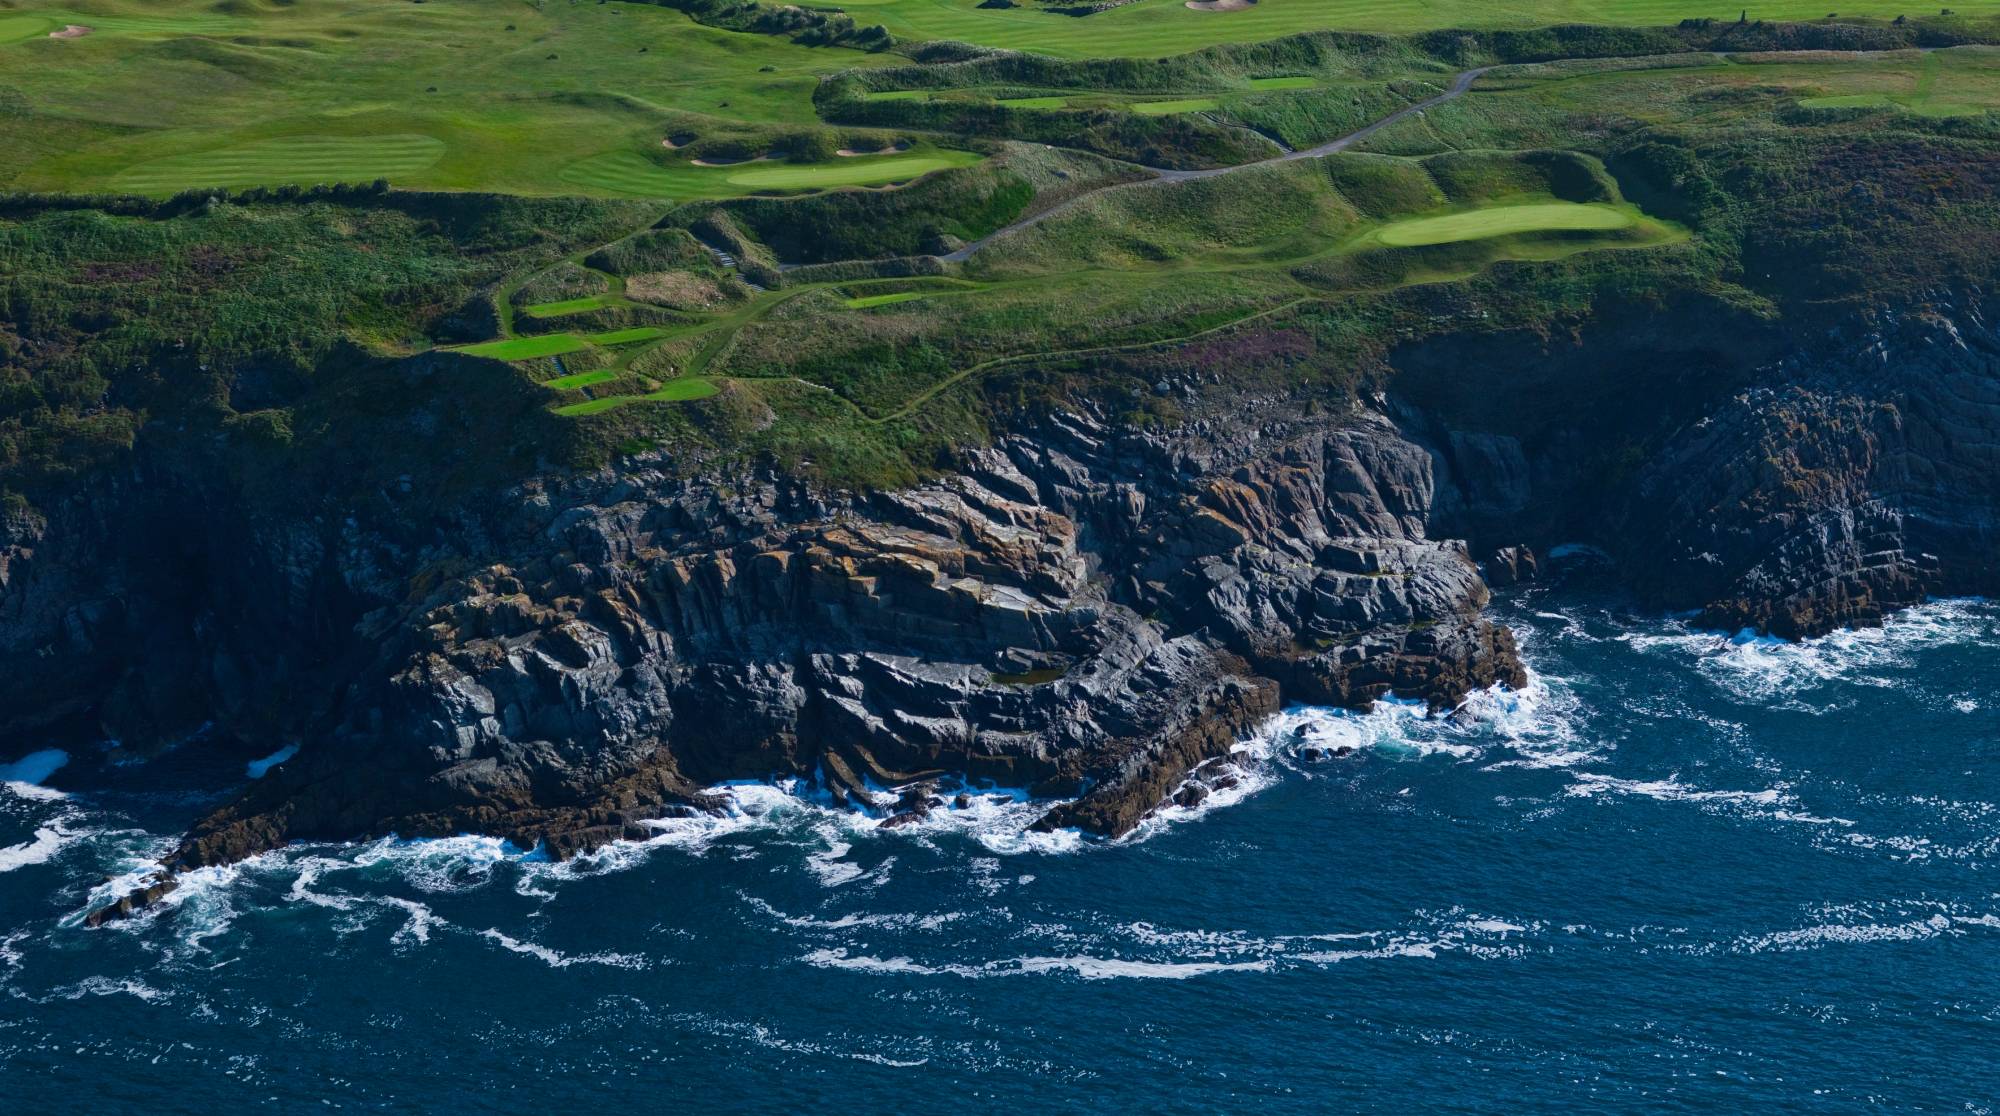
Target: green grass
<point>527,348</point>
<point>1165,108</point>
<point>867,301</point>
<point>629,336</point>
<point>301,160</point>
<point>675,391</point>
<point>14,28</point>
<point>628,172</point>
<point>1152,28</point>
<point>866,170</point>
<point>1033,102</point>
<point>1944,84</point>
<point>1284,83</point>
<point>568,306</point>
<point>1506,220</point>
<point>581,379</point>
<point>172,94</point>
<point>623,172</point>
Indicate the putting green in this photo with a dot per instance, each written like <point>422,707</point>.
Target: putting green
<point>866,301</point>
<point>1165,108</point>
<point>301,160</point>
<point>1479,224</point>
<point>848,172</point>
<point>14,28</point>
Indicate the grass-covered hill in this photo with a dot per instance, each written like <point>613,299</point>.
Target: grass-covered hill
<point>443,243</point>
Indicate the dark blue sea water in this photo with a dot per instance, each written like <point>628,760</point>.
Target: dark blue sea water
<point>1678,873</point>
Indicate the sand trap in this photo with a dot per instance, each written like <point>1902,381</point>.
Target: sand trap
<point>1220,5</point>
<point>851,153</point>
<point>73,31</point>
<point>764,158</point>
<point>678,140</point>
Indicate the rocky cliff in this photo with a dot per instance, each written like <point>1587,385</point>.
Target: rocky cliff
<point>1083,609</point>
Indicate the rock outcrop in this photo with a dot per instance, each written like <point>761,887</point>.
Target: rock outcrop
<point>1086,610</point>
<point>1087,614</point>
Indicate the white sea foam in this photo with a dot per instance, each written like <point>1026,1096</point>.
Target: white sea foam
<point>1763,670</point>
<point>1589,784</point>
<point>256,769</point>
<point>48,841</point>
<point>1089,968</point>
<point>23,776</point>
<point>556,960</point>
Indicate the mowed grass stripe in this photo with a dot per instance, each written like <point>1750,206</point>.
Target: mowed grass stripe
<point>290,159</point>
<point>1479,224</point>
<point>849,172</point>
<point>621,172</point>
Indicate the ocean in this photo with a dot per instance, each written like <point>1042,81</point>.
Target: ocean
<point>1680,871</point>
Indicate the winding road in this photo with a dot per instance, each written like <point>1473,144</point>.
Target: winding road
<point>1459,85</point>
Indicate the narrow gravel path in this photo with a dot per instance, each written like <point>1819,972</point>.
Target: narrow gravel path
<point>1459,85</point>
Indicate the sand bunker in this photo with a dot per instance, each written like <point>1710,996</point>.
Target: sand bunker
<point>764,158</point>
<point>1219,5</point>
<point>853,153</point>
<point>73,31</point>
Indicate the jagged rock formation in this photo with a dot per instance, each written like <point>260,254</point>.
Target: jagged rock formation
<point>1838,490</point>
<point>1085,614</point>
<point>1085,610</point>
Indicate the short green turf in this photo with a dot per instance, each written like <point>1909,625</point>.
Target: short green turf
<point>1166,108</point>
<point>1283,83</point>
<point>166,95</point>
<point>867,301</point>
<point>14,28</point>
<point>1506,220</point>
<point>302,160</point>
<point>1033,102</point>
<point>527,348</point>
<point>629,336</point>
<point>675,391</point>
<point>581,379</point>
<point>567,306</point>
<point>1152,28</point>
<point>867,170</point>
